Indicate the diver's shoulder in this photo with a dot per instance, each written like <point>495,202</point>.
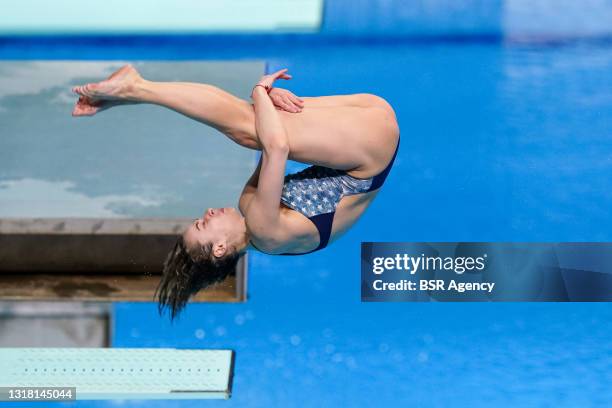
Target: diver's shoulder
<point>292,232</point>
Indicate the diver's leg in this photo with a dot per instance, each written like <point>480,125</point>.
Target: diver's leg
<point>202,102</point>
<point>358,139</point>
<point>361,100</point>
<point>348,132</point>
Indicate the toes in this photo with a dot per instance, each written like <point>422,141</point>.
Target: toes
<point>84,111</point>
<point>84,107</point>
<point>89,88</point>
<point>81,90</point>
<point>85,90</point>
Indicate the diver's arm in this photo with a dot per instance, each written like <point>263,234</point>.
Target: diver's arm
<point>263,213</point>
<point>249,188</point>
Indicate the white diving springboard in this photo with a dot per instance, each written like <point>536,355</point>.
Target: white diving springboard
<point>115,373</point>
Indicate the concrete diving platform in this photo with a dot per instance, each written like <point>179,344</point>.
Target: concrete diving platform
<point>95,259</point>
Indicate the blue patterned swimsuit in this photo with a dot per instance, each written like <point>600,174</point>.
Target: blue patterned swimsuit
<point>317,190</point>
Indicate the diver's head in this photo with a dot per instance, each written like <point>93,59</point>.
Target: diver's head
<point>207,252</point>
<point>221,229</point>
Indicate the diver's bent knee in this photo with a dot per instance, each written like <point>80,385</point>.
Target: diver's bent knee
<point>244,138</point>
<point>385,112</point>
<point>242,130</point>
<point>376,101</point>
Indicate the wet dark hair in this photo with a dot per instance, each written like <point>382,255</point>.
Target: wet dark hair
<point>186,273</point>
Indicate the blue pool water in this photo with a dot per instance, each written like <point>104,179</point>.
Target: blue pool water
<point>500,142</point>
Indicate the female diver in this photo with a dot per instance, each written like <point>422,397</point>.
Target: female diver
<point>350,141</point>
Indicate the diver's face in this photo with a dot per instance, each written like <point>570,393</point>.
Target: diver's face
<point>214,227</point>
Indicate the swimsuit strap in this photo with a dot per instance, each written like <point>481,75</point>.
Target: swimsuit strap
<point>323,222</point>
<point>379,179</point>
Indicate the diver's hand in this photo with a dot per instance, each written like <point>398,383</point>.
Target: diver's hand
<point>286,100</point>
<point>268,80</point>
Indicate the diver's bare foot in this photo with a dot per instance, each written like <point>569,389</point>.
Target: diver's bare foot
<point>117,89</point>
<point>88,107</point>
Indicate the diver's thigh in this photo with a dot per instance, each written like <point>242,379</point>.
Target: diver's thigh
<point>339,137</point>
